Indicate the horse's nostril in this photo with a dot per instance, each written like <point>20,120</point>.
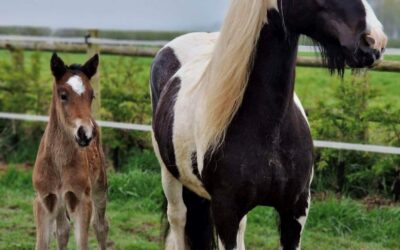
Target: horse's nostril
<point>377,54</point>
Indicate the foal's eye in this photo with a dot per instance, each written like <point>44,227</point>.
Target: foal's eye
<point>64,97</point>
<point>93,96</point>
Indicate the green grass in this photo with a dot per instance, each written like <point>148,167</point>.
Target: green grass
<point>134,216</point>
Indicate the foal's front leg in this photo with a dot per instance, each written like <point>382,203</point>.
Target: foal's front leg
<point>100,223</point>
<point>80,210</point>
<point>44,219</point>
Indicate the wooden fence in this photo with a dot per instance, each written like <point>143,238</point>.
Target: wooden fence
<point>112,48</point>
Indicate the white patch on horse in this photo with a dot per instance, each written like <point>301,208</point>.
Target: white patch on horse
<point>193,52</point>
<point>188,46</point>
<point>76,84</point>
<point>376,37</point>
<point>372,20</point>
<point>300,107</point>
<point>241,234</point>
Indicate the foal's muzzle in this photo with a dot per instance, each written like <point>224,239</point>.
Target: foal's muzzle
<point>83,137</point>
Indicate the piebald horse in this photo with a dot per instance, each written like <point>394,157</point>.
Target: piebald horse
<point>228,130</point>
<point>70,172</point>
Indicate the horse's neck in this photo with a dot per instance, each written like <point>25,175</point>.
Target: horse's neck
<point>271,83</point>
<point>59,145</point>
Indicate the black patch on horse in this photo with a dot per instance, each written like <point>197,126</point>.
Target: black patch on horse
<point>165,65</point>
<point>163,125</point>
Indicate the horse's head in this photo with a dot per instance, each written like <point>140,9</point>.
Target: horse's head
<point>347,30</point>
<point>73,96</point>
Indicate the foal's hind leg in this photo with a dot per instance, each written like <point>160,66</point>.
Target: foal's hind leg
<point>292,223</point>
<point>176,211</point>
<point>100,223</point>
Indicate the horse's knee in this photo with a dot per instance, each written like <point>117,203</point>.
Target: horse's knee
<point>177,215</point>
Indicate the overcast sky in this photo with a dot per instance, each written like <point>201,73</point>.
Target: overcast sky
<point>115,14</point>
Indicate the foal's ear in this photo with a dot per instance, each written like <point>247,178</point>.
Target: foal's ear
<point>90,67</point>
<point>57,66</point>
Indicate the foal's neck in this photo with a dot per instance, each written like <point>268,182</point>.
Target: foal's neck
<point>60,145</point>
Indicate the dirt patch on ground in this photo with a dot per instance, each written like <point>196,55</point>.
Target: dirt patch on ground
<point>143,230</point>
<point>3,167</point>
<point>370,202</point>
<point>20,166</point>
<point>376,201</point>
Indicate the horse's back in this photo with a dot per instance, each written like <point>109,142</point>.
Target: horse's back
<point>178,53</point>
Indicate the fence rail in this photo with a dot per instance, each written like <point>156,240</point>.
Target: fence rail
<point>142,48</point>
<point>147,128</point>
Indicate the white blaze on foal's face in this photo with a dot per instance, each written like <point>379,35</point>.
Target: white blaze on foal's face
<point>76,84</point>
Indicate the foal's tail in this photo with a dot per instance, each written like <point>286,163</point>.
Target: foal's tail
<point>199,229</point>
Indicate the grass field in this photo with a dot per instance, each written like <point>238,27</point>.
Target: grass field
<point>134,216</point>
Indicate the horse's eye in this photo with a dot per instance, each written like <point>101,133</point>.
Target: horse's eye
<point>93,96</point>
<point>64,97</point>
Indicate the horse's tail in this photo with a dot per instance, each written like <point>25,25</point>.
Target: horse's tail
<point>199,229</point>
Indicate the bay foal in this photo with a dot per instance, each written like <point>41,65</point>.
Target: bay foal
<point>70,174</point>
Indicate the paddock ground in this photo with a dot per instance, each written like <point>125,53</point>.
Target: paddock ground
<point>134,216</point>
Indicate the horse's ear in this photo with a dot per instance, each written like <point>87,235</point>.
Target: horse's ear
<point>57,66</point>
<point>90,67</point>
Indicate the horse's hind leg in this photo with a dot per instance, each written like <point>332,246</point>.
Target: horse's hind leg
<point>100,223</point>
<point>176,211</point>
<point>62,231</point>
<point>292,223</point>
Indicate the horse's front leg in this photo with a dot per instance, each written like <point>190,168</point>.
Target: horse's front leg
<point>176,211</point>
<point>80,209</point>
<point>292,223</point>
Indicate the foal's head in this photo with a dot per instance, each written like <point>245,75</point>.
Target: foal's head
<point>73,96</point>
<point>347,30</point>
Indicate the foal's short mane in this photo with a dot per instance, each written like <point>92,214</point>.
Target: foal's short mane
<point>223,83</point>
<point>77,67</point>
